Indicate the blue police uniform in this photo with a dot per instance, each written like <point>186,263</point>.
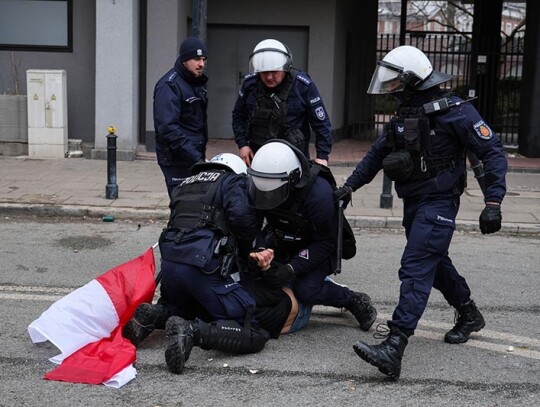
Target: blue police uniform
<point>311,254</point>
<point>192,285</point>
<point>180,122</point>
<point>431,201</point>
<point>303,110</point>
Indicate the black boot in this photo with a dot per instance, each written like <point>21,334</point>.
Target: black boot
<point>362,309</point>
<point>386,355</point>
<point>182,335</point>
<point>468,320</point>
<point>146,318</point>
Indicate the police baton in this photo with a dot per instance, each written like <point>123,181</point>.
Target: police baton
<point>478,169</point>
<point>339,236</point>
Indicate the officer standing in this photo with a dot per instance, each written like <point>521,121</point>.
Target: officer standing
<point>423,149</point>
<point>302,220</point>
<point>180,104</point>
<point>278,101</point>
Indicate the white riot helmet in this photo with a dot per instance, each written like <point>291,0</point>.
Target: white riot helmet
<point>275,169</point>
<point>223,161</point>
<point>270,55</point>
<point>405,66</point>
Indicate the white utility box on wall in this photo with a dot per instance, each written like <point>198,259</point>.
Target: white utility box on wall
<point>47,113</point>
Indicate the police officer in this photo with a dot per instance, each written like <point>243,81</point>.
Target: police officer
<point>211,228</point>
<point>302,220</point>
<point>278,101</point>
<point>423,149</point>
<point>180,123</point>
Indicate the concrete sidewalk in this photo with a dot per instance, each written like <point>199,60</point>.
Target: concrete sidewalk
<point>76,187</point>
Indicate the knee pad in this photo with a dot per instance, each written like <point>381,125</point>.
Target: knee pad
<point>229,336</point>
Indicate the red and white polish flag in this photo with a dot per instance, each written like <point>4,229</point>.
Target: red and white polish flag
<point>86,325</point>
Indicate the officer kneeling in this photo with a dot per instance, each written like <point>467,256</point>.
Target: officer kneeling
<point>297,202</point>
<point>211,228</point>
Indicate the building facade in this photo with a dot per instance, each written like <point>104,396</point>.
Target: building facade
<point>118,49</point>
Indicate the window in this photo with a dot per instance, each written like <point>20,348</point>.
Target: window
<point>36,25</point>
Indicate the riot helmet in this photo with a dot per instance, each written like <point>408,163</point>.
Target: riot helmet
<point>270,55</point>
<point>405,67</point>
<point>223,161</point>
<point>277,167</point>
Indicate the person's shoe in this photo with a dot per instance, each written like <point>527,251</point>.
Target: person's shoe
<point>362,309</point>
<point>146,318</point>
<point>387,355</point>
<point>179,343</point>
<point>468,320</point>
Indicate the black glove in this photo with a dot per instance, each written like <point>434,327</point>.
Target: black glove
<point>490,219</point>
<point>277,276</point>
<point>344,194</point>
<point>295,137</point>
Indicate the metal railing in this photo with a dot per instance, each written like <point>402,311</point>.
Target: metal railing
<point>451,53</point>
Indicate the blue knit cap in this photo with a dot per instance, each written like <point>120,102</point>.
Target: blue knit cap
<point>192,47</point>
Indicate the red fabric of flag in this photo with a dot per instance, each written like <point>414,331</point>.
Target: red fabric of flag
<point>126,287</point>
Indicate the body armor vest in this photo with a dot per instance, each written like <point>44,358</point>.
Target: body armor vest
<point>269,118</point>
<point>192,204</point>
<point>289,232</point>
<point>198,232</point>
<point>409,136</point>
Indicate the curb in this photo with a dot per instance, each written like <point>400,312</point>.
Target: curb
<point>145,214</point>
<point>78,211</point>
<point>513,169</point>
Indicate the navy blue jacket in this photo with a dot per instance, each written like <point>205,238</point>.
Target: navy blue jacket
<point>180,103</point>
<point>197,247</point>
<point>452,130</point>
<point>319,209</point>
<point>305,110</point>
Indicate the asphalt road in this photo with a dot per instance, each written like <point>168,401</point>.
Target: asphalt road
<point>43,260</point>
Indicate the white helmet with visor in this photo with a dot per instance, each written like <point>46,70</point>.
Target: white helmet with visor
<point>222,161</point>
<point>275,169</point>
<point>270,55</point>
<point>405,66</point>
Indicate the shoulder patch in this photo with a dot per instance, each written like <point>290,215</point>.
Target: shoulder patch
<point>314,100</point>
<point>319,112</point>
<point>172,76</point>
<point>482,130</point>
<point>250,75</point>
<point>304,78</point>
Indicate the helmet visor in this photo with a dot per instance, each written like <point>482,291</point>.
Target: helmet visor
<point>267,191</point>
<point>268,60</point>
<point>385,80</point>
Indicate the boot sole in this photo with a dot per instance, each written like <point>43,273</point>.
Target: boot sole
<point>175,355</point>
<point>463,339</point>
<point>135,330</point>
<point>381,366</point>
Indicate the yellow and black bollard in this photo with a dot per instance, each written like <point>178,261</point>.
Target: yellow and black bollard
<point>111,190</point>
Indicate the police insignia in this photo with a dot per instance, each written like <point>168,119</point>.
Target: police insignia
<point>320,113</point>
<point>482,130</point>
<point>304,254</point>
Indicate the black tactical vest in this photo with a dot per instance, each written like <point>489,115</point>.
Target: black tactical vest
<point>198,231</point>
<point>268,119</point>
<point>292,232</point>
<point>192,203</point>
<point>409,136</point>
